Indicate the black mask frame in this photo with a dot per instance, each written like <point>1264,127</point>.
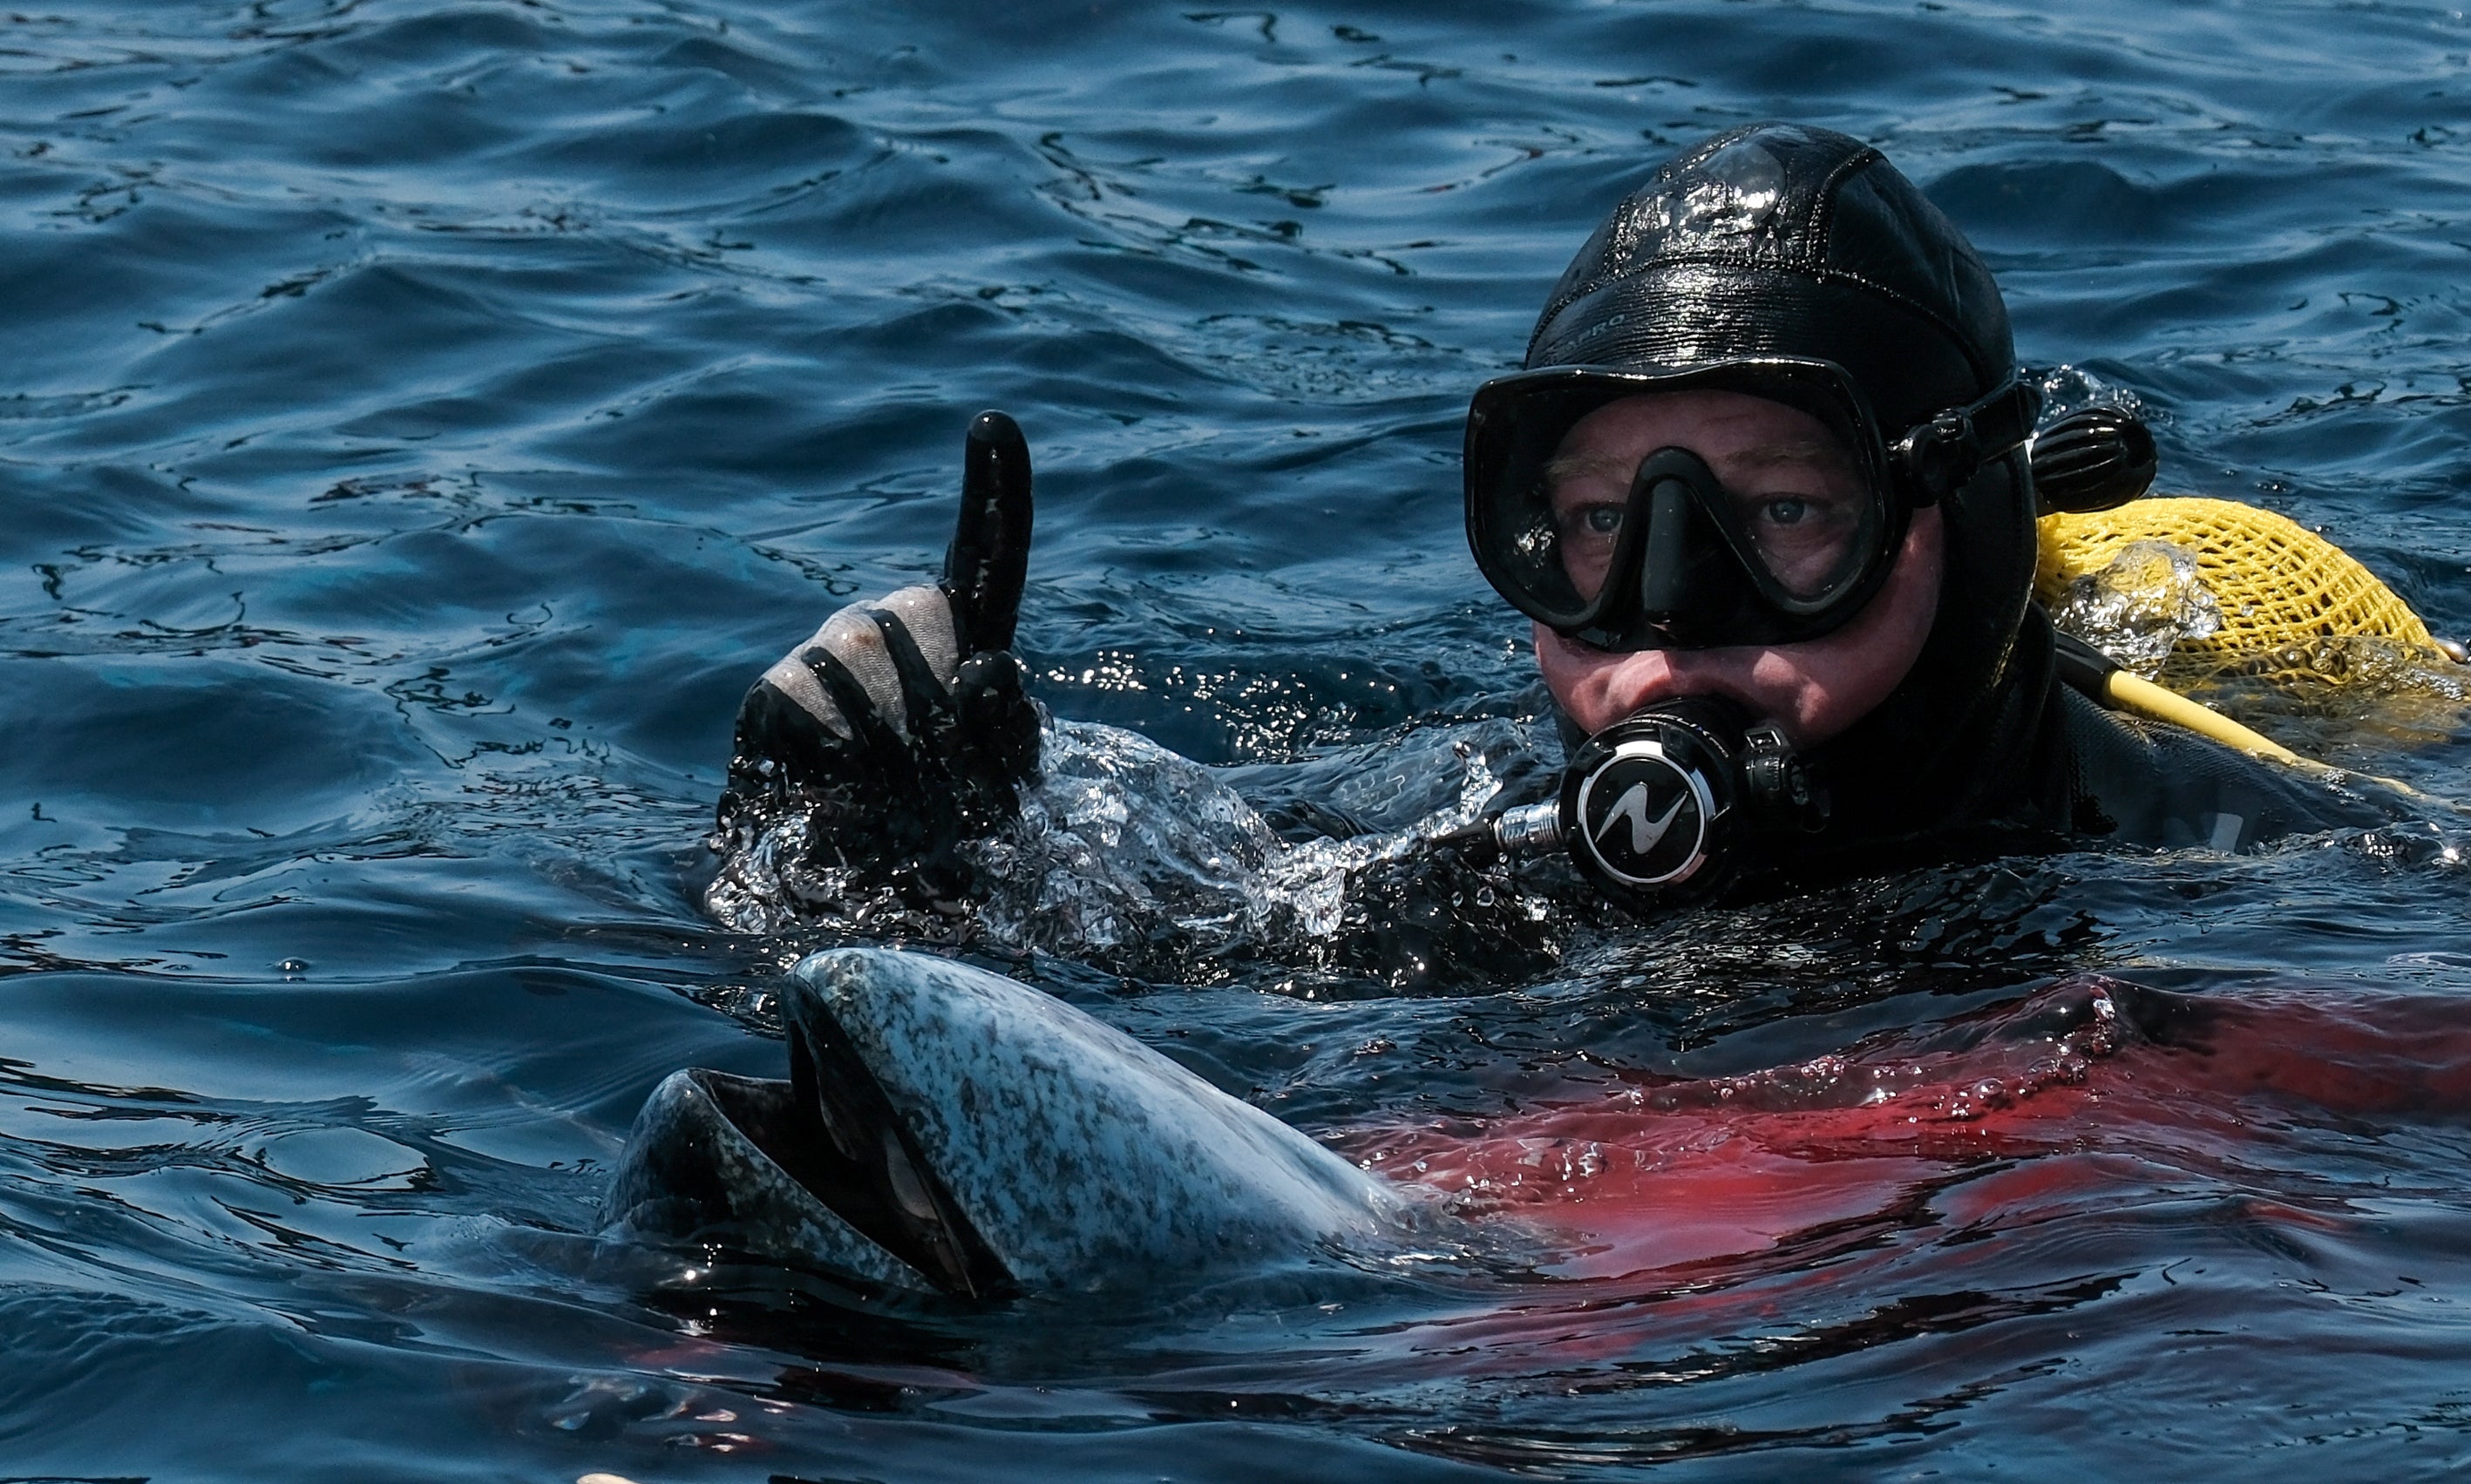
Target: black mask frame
<point>1705,589</point>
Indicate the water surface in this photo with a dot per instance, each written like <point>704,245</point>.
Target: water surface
<point>419,422</point>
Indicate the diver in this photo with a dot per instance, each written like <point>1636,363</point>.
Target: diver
<point>1762,491</point>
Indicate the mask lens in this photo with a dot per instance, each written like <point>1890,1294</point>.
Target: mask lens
<point>1564,528</point>
<point>1808,526</point>
<point>1531,564</point>
<point>1587,526</point>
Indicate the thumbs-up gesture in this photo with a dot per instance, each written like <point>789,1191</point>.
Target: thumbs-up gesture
<point>902,721</point>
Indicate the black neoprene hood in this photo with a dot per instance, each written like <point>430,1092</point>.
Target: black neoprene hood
<point>1784,240</point>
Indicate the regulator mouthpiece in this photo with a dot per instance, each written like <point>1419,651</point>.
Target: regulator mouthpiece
<point>1668,805</point>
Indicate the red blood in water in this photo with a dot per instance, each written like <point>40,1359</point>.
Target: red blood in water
<point>1973,1126</point>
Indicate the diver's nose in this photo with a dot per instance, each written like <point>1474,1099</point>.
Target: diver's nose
<point>1642,679</point>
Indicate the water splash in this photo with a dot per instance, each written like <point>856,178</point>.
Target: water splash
<point>2072,388</point>
<point>1127,854</point>
<point>1123,844</point>
<point>1121,839</point>
<point>2140,605</point>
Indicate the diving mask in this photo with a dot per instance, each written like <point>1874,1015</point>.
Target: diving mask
<point>1770,515</point>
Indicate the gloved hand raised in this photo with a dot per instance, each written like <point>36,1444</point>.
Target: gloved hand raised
<point>900,726</point>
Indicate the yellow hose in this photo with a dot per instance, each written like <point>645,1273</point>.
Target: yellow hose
<point>2133,694</point>
<point>2128,693</point>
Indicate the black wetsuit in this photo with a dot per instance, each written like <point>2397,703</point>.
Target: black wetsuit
<point>2050,768</point>
<point>2135,782</point>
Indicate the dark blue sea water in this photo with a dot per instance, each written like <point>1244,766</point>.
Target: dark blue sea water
<point>419,423</point>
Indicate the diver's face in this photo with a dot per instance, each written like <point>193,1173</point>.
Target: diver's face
<point>1798,490</point>
<point>1791,484</point>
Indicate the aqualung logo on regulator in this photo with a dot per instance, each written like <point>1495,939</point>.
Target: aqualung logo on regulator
<point>1644,832</point>
<point>1643,817</point>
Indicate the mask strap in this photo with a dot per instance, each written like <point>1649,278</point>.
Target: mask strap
<point>1937,457</point>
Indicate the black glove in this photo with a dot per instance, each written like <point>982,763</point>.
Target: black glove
<point>899,728</point>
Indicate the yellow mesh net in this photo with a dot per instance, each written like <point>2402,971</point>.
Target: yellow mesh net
<point>2294,606</point>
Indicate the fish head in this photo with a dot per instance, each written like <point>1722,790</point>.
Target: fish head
<point>951,1130</point>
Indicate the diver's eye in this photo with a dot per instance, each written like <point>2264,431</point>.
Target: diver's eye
<point>1787,511</point>
<point>1602,520</point>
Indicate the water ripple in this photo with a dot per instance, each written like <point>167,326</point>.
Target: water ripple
<point>420,421</point>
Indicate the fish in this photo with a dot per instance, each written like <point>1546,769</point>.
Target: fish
<point>948,1131</point>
